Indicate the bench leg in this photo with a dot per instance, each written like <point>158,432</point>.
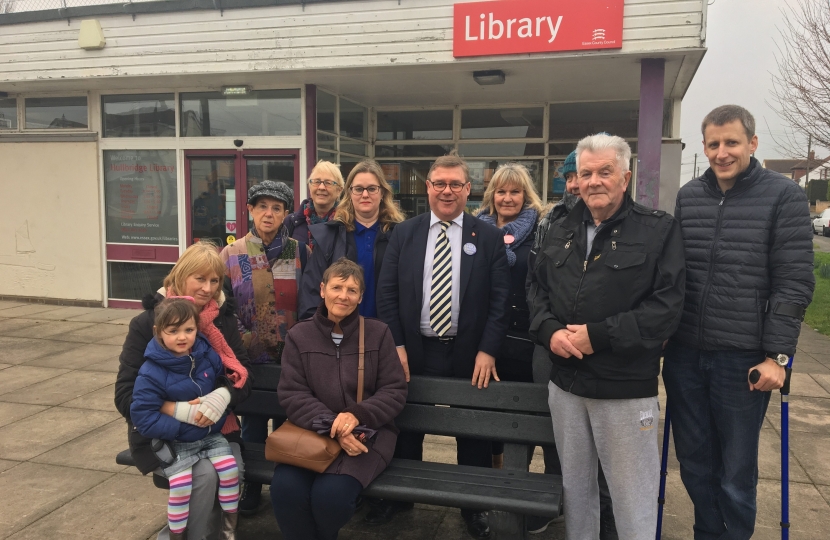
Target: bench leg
<point>507,526</point>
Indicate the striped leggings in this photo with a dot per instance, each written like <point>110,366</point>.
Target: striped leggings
<point>181,484</point>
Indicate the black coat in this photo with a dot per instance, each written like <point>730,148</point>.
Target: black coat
<point>514,361</point>
<point>629,292</point>
<point>297,226</point>
<point>333,242</point>
<point>748,254</point>
<point>482,318</point>
<point>132,357</point>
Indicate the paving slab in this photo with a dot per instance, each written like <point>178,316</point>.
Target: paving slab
<point>111,315</point>
<point>41,329</point>
<point>12,325</point>
<point>808,365</point>
<point>117,340</point>
<point>813,453</point>
<point>78,357</point>
<point>17,377</point>
<point>823,381</point>
<point>803,384</point>
<point>96,450</point>
<point>678,512</point>
<point>110,366</point>
<point>12,412</point>
<point>99,400</point>
<point>26,309</point>
<point>6,304</point>
<point>6,464</point>
<point>769,458</point>
<point>805,413</point>
<point>809,512</point>
<point>64,313</point>
<point>49,429</point>
<point>4,366</point>
<point>93,332</point>
<point>30,491</point>
<point>14,350</point>
<point>821,357</point>
<point>60,389</point>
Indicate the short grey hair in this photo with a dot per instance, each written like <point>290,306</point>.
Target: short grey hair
<point>603,141</point>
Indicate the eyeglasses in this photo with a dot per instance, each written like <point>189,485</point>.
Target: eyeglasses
<point>358,190</point>
<point>455,187</point>
<point>316,182</point>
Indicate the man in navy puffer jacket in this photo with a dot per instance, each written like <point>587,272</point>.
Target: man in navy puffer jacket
<point>749,278</point>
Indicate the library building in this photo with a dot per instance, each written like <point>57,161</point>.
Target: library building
<point>129,130</point>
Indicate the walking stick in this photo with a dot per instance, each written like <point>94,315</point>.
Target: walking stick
<point>661,498</point>
<point>785,447</point>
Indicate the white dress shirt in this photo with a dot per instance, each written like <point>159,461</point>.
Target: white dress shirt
<point>454,236</point>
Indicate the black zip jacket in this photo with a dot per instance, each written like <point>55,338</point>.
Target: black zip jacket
<point>629,291</point>
<point>333,242</point>
<point>132,357</point>
<point>749,258</point>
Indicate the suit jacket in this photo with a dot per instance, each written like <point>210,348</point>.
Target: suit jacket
<point>485,286</point>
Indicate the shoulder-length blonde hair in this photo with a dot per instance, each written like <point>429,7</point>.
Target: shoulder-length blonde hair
<point>200,258</point>
<point>389,213</point>
<point>510,175</point>
<point>330,168</point>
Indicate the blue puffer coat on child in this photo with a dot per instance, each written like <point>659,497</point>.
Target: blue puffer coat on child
<point>166,377</point>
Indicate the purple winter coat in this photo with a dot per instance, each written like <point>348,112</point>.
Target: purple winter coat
<point>319,377</point>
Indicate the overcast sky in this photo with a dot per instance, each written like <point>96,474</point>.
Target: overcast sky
<point>737,68</point>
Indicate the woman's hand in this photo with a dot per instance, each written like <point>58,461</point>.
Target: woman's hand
<point>351,445</point>
<point>343,425</point>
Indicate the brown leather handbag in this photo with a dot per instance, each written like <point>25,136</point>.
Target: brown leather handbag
<point>293,445</point>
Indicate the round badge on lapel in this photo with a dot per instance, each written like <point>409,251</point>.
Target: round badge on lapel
<point>470,249</point>
<point>509,239</point>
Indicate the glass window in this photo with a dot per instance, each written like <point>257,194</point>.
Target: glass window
<point>516,123</point>
<point>141,197</point>
<point>413,150</point>
<point>328,142</point>
<point>501,149</point>
<point>56,113</point>
<point>326,156</point>
<point>352,148</point>
<point>132,281</point>
<point>145,115</point>
<point>414,125</point>
<point>354,120</point>
<point>326,106</point>
<point>408,182</point>
<point>577,120</point>
<point>259,113</point>
<point>8,113</point>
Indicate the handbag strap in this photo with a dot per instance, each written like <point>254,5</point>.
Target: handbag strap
<point>360,351</point>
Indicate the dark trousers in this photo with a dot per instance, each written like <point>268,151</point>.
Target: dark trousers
<point>716,422</point>
<point>312,506</point>
<point>410,445</point>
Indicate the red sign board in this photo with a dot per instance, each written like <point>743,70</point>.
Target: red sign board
<point>531,26</point>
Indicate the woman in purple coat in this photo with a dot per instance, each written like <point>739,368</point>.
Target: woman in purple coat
<point>319,381</point>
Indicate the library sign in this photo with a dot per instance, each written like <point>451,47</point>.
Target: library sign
<point>531,26</point>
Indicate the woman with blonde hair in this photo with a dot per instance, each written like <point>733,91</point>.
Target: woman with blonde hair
<point>325,186</point>
<point>198,274</point>
<point>359,231</point>
<point>511,204</point>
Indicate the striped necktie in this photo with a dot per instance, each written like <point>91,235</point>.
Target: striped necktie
<point>440,297</point>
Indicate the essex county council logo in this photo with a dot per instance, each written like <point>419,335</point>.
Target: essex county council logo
<point>598,34</point>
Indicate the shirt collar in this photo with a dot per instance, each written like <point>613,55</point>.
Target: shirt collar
<point>433,219</point>
<point>359,227</point>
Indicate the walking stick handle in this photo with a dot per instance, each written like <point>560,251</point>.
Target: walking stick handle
<point>754,376</point>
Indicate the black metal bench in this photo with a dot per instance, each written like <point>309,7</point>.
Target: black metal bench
<point>516,413</point>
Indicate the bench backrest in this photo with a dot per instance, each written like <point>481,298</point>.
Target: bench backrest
<point>506,411</point>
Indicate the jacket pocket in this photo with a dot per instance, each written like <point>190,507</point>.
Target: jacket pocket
<point>620,260</point>
<point>557,255</point>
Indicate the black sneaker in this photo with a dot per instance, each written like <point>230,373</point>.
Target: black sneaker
<point>250,499</point>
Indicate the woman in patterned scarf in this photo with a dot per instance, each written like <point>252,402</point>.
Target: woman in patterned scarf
<point>325,185</point>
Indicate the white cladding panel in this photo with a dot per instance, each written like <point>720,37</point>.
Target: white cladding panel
<point>320,36</point>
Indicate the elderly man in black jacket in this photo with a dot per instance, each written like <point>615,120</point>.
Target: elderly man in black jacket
<point>749,264</point>
<point>610,281</point>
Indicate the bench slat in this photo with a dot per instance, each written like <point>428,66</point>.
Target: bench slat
<point>508,396</point>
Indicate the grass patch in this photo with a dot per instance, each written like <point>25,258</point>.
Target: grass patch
<point>818,314</point>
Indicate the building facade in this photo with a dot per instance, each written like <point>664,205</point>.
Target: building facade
<point>128,132</point>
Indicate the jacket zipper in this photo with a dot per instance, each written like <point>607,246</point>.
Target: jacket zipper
<point>711,272</point>
<point>192,367</point>
<point>339,375</point>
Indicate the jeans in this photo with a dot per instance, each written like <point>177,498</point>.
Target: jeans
<point>312,506</point>
<point>716,422</point>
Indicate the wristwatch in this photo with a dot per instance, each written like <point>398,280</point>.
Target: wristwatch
<point>780,359</point>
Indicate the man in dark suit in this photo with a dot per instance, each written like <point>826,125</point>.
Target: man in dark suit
<point>443,292</point>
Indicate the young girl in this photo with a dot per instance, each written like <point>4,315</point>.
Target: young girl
<point>182,367</point>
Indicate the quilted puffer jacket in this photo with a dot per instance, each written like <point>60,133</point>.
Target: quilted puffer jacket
<point>165,377</point>
<point>749,262</point>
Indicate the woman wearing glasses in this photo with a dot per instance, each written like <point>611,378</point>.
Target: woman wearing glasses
<point>325,185</point>
<point>359,231</point>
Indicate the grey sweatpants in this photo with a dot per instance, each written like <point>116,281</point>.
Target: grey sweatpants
<point>623,433</point>
<point>205,517</point>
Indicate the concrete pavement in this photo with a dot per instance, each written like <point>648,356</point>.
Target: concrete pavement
<point>59,434</point>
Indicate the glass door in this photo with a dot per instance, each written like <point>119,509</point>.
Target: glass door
<point>217,184</point>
